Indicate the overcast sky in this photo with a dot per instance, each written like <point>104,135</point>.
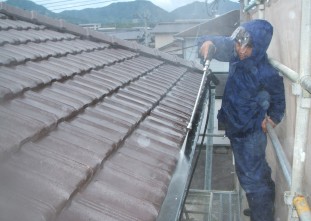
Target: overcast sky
<point>60,5</point>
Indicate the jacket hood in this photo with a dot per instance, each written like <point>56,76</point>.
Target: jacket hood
<point>261,32</point>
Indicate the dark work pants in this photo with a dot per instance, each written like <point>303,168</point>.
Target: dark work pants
<point>254,174</point>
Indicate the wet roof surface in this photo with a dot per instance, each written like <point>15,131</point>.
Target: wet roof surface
<point>89,129</point>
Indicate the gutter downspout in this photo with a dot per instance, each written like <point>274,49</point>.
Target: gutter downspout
<point>254,3</point>
<point>251,5</point>
<point>303,103</point>
<point>261,10</point>
<point>302,117</point>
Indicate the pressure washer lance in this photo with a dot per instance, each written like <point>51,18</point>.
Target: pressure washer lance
<point>210,77</point>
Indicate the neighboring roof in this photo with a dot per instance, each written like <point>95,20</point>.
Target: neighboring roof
<point>127,35</point>
<point>174,27</point>
<point>174,47</point>
<point>222,25</point>
<point>90,126</point>
<point>175,43</point>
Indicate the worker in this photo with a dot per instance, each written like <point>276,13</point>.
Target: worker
<point>253,96</point>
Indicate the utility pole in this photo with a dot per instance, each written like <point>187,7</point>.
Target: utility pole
<point>145,16</point>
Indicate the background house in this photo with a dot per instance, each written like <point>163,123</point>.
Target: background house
<point>222,25</point>
<point>130,34</point>
<point>180,39</point>
<point>164,32</point>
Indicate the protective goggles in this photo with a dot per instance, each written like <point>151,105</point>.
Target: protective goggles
<point>241,36</point>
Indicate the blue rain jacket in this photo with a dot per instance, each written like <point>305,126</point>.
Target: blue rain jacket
<point>254,88</point>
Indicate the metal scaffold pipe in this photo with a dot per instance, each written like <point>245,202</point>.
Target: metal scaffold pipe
<point>286,168</point>
<point>286,71</point>
<point>302,208</point>
<point>304,81</point>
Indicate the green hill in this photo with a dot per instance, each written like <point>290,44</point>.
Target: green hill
<point>134,12</point>
<point>29,5</point>
<point>121,12</point>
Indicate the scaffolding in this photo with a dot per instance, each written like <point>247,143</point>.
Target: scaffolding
<point>207,204</point>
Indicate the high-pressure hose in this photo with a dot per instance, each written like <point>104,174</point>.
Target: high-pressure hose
<point>210,78</point>
<point>204,133</point>
<point>202,141</point>
<point>207,74</point>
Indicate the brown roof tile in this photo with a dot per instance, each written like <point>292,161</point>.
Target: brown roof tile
<point>91,127</point>
<point>61,110</point>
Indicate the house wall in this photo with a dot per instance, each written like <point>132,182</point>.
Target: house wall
<point>163,39</point>
<point>285,16</point>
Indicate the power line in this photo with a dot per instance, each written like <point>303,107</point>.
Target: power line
<point>44,1</point>
<point>67,1</point>
<point>63,7</point>
<point>47,1</point>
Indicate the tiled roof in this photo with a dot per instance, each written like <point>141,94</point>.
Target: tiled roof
<point>90,126</point>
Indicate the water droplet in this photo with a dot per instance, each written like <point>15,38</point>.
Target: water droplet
<point>292,15</point>
<point>143,141</point>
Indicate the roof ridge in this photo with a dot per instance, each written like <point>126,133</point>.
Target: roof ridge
<point>62,25</point>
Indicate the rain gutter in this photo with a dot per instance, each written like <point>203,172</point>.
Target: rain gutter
<point>173,204</point>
